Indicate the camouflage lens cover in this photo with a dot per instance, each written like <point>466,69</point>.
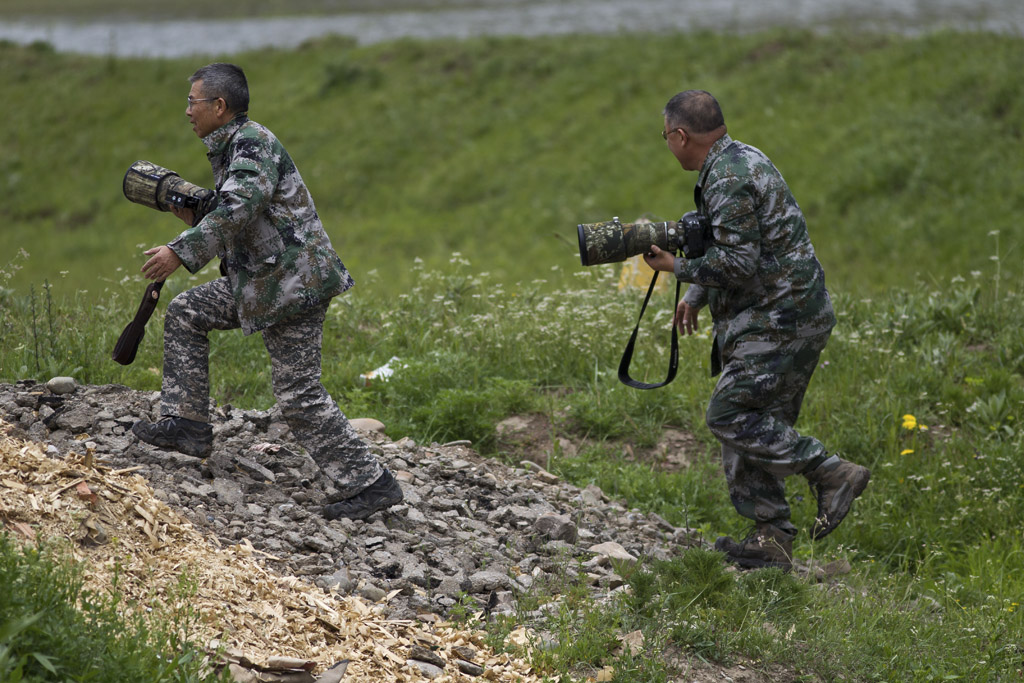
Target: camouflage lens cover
<point>612,241</point>
<point>161,188</point>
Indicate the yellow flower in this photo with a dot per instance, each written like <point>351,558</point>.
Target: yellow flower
<point>906,451</point>
<point>909,421</point>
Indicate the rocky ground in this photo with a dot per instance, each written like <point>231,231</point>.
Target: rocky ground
<point>469,526</point>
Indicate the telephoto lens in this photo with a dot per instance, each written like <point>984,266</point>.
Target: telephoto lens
<point>161,189</point>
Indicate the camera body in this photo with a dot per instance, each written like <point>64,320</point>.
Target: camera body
<point>160,188</point>
<point>696,234</point>
<point>612,241</point>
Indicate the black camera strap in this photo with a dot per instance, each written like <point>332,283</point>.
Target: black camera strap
<point>627,355</point>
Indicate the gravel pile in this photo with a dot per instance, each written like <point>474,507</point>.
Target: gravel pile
<point>469,526</point>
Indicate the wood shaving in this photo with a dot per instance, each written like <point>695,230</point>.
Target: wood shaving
<point>116,527</point>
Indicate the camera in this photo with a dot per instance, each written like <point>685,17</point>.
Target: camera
<point>160,188</point>
<point>612,241</point>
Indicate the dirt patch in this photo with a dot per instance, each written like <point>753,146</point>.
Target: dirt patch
<point>533,437</point>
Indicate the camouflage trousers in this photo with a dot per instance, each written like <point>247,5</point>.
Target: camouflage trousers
<point>752,412</point>
<point>294,346</point>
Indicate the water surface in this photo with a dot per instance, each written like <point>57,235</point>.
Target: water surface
<point>180,38</point>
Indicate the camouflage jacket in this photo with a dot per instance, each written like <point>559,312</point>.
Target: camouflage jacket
<point>760,278</point>
<point>274,249</point>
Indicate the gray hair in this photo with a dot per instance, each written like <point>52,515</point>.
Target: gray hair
<point>226,81</point>
<point>695,110</point>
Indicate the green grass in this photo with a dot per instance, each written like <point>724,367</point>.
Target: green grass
<point>52,629</point>
<point>898,149</point>
<point>903,153</point>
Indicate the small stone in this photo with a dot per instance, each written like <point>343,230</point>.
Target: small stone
<point>556,528</point>
<point>539,471</point>
<point>469,668</point>
<point>420,653</point>
<point>486,580</point>
<point>613,551</point>
<point>404,477</point>
<point>450,586</point>
<point>371,592</point>
<point>255,470</point>
<point>465,652</point>
<point>61,385</point>
<point>228,491</point>
<point>367,425</point>
<point>319,544</point>
<point>341,580</point>
<point>612,581</point>
<point>427,670</point>
<point>592,496</point>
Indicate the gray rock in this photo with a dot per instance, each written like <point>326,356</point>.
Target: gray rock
<point>469,668</point>
<point>423,654</point>
<point>612,551</point>
<point>427,670</point>
<point>556,528</point>
<point>592,495</point>
<point>451,586</point>
<point>371,592</point>
<point>341,579</point>
<point>254,469</point>
<point>486,580</point>
<point>62,385</point>
<point>75,419</point>
<point>229,492</point>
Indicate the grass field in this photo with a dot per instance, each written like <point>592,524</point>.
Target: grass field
<point>899,150</point>
<point>903,152</point>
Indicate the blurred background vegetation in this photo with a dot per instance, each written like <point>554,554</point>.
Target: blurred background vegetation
<point>901,151</point>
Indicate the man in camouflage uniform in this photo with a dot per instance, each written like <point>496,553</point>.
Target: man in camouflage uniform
<point>772,317</point>
<point>280,273</point>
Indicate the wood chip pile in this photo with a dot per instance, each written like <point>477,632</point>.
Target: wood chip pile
<point>273,627</point>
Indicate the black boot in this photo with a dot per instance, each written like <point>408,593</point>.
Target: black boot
<point>177,433</point>
<point>379,495</point>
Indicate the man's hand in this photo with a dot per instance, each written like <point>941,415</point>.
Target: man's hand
<point>659,259</point>
<point>686,317</point>
<point>187,215</point>
<point>163,261</point>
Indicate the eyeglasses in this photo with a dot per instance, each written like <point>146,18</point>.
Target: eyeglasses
<point>192,101</point>
<point>666,133</point>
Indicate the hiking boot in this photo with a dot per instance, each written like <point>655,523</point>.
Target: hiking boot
<point>836,483</point>
<point>379,495</point>
<point>177,433</point>
<point>767,546</point>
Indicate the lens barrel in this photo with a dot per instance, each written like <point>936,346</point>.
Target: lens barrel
<point>161,188</point>
<point>612,241</point>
